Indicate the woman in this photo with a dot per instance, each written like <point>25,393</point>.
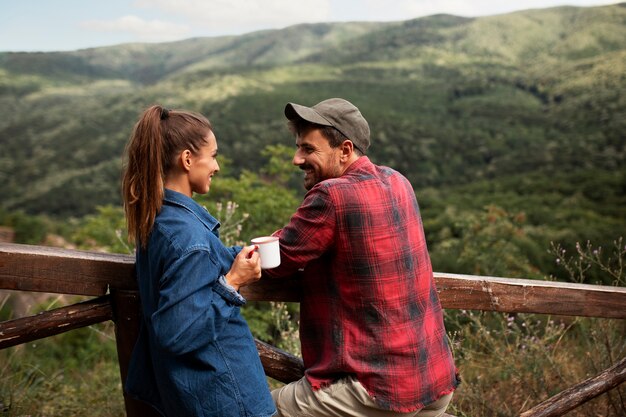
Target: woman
<point>195,355</point>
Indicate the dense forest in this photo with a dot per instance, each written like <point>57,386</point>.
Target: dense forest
<point>522,114</point>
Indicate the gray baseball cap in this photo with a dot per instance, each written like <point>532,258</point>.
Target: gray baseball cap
<point>338,113</point>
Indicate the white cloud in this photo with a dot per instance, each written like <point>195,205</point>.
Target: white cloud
<point>242,15</point>
<point>143,30</point>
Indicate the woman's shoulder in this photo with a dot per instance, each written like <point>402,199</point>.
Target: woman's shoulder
<point>181,229</point>
<point>175,219</point>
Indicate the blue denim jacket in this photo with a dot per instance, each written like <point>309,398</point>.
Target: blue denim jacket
<point>195,355</point>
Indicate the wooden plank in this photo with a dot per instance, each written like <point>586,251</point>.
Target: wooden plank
<point>580,393</point>
<point>530,296</point>
<point>278,364</point>
<point>62,271</point>
<point>53,322</point>
<point>268,289</point>
<point>473,292</point>
<point>36,268</point>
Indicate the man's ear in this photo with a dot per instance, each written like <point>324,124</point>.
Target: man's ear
<point>347,148</point>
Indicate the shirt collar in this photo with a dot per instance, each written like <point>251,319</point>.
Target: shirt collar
<point>359,163</point>
<point>181,200</point>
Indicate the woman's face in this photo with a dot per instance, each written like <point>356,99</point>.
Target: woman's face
<point>204,165</point>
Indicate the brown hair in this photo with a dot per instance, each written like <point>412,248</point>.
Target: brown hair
<point>335,138</point>
<point>157,138</point>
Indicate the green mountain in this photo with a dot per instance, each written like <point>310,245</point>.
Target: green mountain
<point>526,110</point>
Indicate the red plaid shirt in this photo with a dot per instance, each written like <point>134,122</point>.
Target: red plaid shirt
<point>370,307</point>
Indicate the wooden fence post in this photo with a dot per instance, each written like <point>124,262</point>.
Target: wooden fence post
<point>126,315</point>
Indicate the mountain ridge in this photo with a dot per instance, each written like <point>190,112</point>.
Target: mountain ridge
<point>473,92</point>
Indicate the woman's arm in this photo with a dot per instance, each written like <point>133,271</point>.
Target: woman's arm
<point>193,307</point>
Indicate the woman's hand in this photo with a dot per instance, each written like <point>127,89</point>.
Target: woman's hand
<point>246,268</point>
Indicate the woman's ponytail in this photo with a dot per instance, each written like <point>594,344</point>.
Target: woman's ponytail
<point>142,183</point>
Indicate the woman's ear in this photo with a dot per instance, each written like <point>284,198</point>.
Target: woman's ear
<point>185,160</point>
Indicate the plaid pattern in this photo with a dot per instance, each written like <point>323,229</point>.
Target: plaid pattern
<point>370,307</point>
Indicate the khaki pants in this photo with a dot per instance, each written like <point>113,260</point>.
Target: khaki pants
<point>346,397</point>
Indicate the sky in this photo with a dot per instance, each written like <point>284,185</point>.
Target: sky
<point>67,25</point>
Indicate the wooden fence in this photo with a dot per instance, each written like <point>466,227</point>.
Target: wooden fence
<point>109,278</point>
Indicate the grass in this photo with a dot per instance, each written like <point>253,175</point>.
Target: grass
<point>72,374</point>
<point>510,363</point>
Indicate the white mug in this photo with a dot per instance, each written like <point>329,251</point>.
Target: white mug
<point>269,251</point>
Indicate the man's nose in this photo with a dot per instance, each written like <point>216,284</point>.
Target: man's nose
<point>297,159</point>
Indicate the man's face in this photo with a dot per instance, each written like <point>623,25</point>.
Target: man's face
<point>316,158</point>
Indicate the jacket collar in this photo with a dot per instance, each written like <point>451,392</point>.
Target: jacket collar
<point>178,199</point>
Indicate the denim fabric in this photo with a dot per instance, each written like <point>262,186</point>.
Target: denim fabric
<point>195,355</point>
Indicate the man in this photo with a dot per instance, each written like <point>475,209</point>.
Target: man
<point>371,325</point>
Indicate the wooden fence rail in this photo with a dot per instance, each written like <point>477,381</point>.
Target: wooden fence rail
<point>110,278</point>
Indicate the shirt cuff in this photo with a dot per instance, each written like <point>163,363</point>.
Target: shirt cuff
<point>228,292</point>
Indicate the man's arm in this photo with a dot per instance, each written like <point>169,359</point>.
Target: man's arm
<point>309,234</point>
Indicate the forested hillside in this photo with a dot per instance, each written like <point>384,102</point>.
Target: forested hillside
<point>524,111</point>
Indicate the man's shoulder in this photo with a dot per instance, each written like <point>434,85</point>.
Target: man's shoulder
<point>364,173</point>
